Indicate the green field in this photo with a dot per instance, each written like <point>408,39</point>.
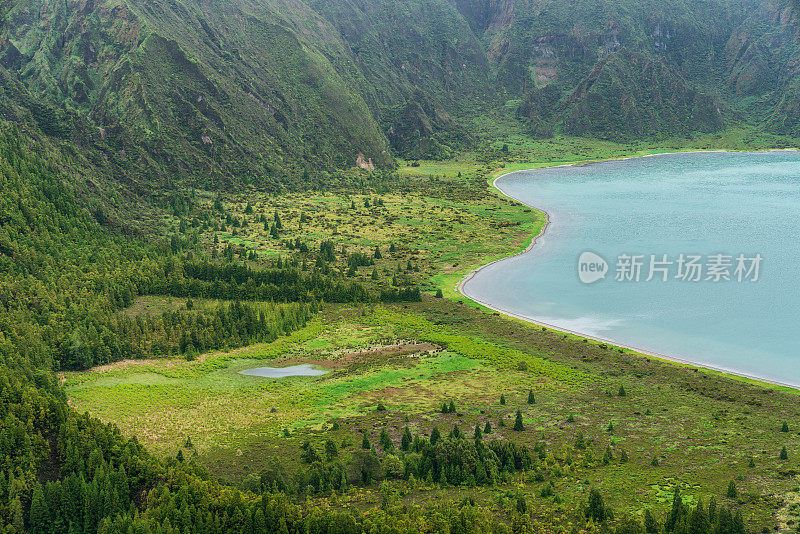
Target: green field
<point>703,428</point>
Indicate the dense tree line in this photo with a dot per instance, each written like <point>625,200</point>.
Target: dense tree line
<point>180,332</point>
<point>239,282</point>
<point>281,283</point>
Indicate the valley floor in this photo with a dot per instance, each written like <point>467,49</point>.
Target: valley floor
<point>632,426</point>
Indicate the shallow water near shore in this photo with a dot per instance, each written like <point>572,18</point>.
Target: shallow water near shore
<point>283,372</point>
<point>700,204</point>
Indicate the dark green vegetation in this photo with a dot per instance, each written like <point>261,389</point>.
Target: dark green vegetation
<point>286,94</point>
<point>179,203</point>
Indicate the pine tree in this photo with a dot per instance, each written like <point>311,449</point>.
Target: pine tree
<point>365,442</point>
<point>698,520</point>
<point>785,427</point>
<point>17,517</point>
<point>435,435</point>
<point>531,398</point>
<point>386,442</point>
<point>405,441</point>
<point>39,516</point>
<point>732,492</point>
<point>488,428</point>
<point>676,512</point>
<point>518,426</point>
<point>595,509</point>
<point>502,400</point>
<point>451,407</point>
<point>331,451</point>
<point>478,436</point>
<point>784,455</point>
<point>621,392</point>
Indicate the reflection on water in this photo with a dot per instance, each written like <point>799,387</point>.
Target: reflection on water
<point>282,372</point>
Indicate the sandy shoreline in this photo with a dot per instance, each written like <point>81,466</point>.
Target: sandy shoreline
<point>460,286</point>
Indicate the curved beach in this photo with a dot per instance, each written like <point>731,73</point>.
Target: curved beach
<point>463,286</point>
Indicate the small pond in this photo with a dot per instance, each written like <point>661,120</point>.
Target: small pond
<point>281,372</point>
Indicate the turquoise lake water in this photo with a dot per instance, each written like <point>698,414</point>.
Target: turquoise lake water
<point>702,204</point>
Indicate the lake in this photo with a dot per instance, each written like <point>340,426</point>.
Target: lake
<point>282,372</point>
<point>715,233</point>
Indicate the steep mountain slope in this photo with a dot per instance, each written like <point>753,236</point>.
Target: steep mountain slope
<point>284,93</point>
<point>220,89</point>
<point>632,96</point>
<point>533,42</point>
<point>764,65</point>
